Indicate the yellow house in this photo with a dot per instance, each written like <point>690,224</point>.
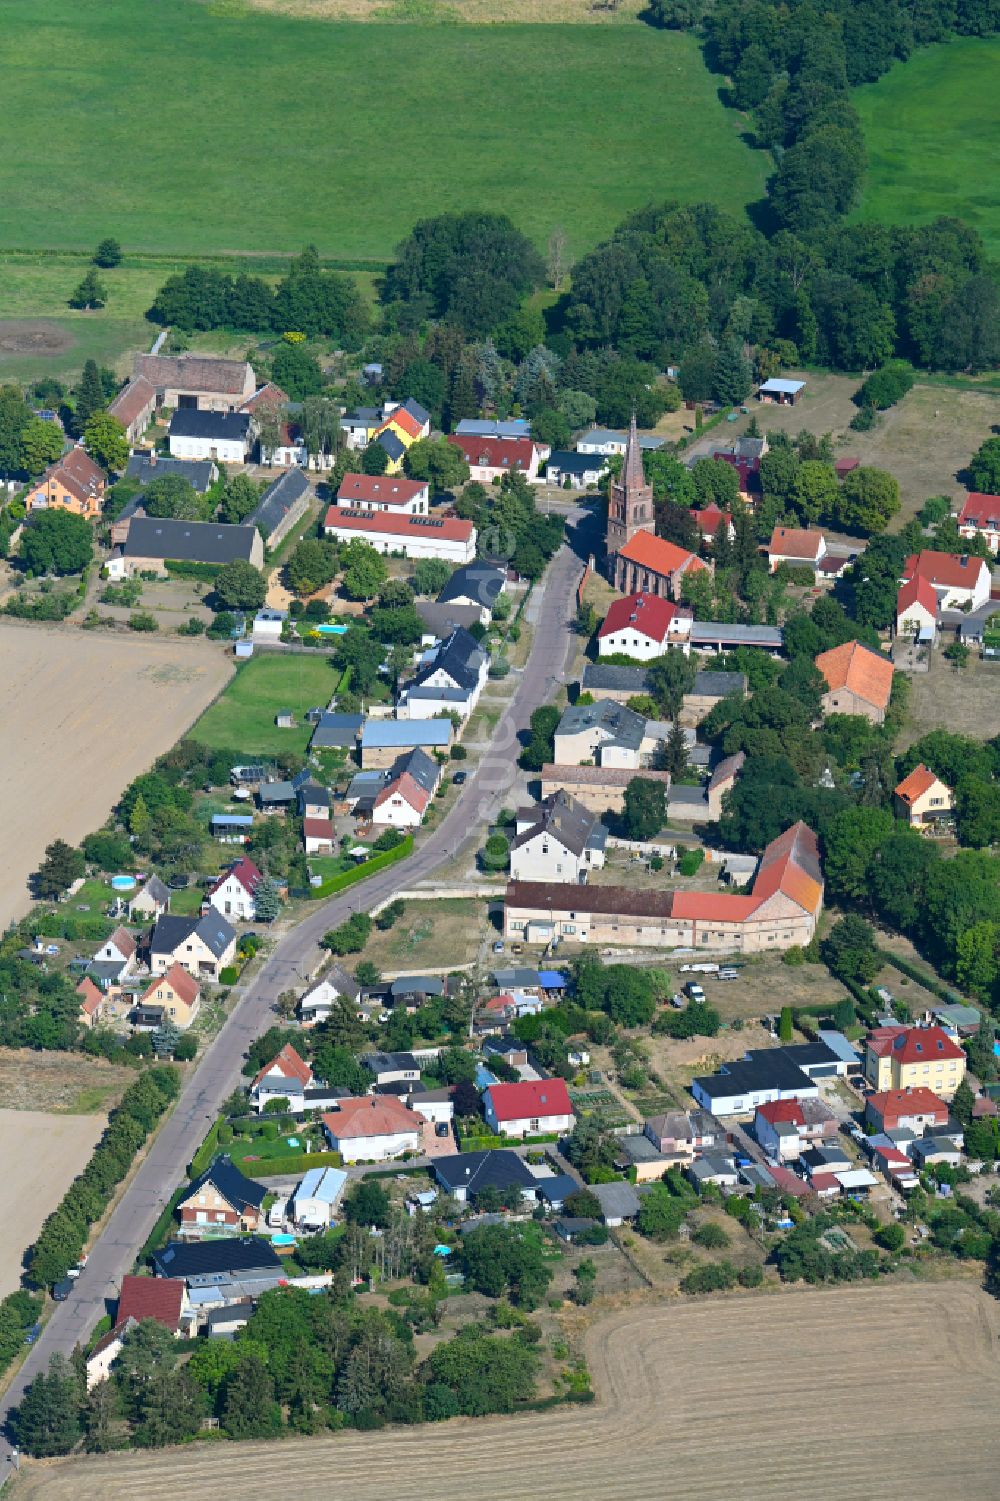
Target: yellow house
<point>900,1057</point>
<point>178,993</point>
<point>74,484</point>
<point>404,425</point>
<point>923,799</point>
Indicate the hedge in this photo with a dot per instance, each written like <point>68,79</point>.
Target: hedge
<point>191,570</point>
<point>276,1167</point>
<point>206,1152</point>
<point>360,872</point>
<point>929,982</point>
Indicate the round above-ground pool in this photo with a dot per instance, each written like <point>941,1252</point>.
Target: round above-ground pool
<point>122,883</point>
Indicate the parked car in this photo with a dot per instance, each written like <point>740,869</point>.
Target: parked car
<point>442,1128</point>
<point>62,1290</point>
<point>498,946</point>
<point>694,991</point>
<point>460,778</point>
<point>728,974</point>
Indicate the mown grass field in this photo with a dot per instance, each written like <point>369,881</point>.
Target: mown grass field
<point>242,718</point>
<point>233,130</point>
<point>932,126</point>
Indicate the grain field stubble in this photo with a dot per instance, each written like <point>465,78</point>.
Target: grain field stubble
<point>709,1398</point>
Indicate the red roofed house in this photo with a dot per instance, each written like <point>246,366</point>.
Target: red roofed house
<point>286,1071</point>
<point>786,1128</point>
<point>923,799</point>
<point>916,610</point>
<point>134,407</point>
<point>233,892</point>
<point>537,1107</point>
<point>91,1002</point>
<point>911,1109</point>
<point>317,835</point>
<point>178,993</point>
<point>384,492</point>
<point>643,626</point>
<point>710,519</point>
<point>373,1128</point>
<point>980,515</point>
<point>958,581</point>
<point>394,532</point>
<point>910,1057</point>
<point>859,681</point>
<point>791,544</point>
<point>491,458</point>
<point>781,909</point>
<point>161,1298</point>
<point>74,483</point>
<point>402,803</point>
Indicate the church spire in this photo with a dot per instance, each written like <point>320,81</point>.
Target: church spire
<point>633,475</point>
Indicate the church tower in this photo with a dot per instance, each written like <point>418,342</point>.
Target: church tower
<point>630,506</point>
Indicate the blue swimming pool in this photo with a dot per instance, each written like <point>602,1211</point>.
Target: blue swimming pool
<point>330,630</point>
<point>282,1239</point>
<point>122,883</point>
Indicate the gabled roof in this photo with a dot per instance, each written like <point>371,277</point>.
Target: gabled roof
<point>215,933</point>
<point>90,996</point>
<point>659,556</point>
<point>371,1116</point>
<point>420,766</point>
<point>982,511</point>
<point>409,790</point>
<point>123,942</point>
<point>617,722</point>
<point>154,889</point>
<point>481,582</point>
<point>531,1099</point>
<point>159,1298</point>
<point>924,1045</point>
<point>644,613</point>
<point>132,400</point>
<point>267,395</point>
<point>290,1065</point>
<point>245,872</point>
<point>896,1104</point>
<point>184,986</point>
<point>189,541</point>
<point>460,656</point>
<point>796,542</point>
<point>391,442</point>
<point>77,472</point>
<point>475,1171</point>
<point>778,1111</point>
<point>446,528</point>
<point>144,468</point>
<point>920,781</point>
<point>279,498</point>
<point>386,734</point>
<point>192,372</point>
<point>565,820</point>
<point>227,1180</point>
<point>859,670</point>
<point>790,864</point>
<point>381,489</point>
<point>211,1257</point>
<point>946,570</point>
<point>495,453</point>
<point>192,422</point>
<point>711,517</point>
<point>916,591</point>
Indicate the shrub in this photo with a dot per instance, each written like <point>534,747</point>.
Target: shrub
<point>142,620</point>
<point>458,753</point>
<point>229,975</point>
<point>690,862</point>
<point>186,1050</point>
<point>885,387</point>
<point>717,1276</point>
<point>711,1236</point>
<point>751,1276</point>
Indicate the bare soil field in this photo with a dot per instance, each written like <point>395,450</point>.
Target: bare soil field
<point>698,1398</point>
<point>42,1154</point>
<point>966,700</point>
<point>82,716</point>
<point>63,1083</point>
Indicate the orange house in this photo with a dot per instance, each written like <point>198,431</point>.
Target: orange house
<point>74,484</point>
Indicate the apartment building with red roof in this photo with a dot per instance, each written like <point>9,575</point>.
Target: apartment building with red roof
<point>491,458</point>
<point>904,1057</point>
<point>384,492</point>
<point>403,535</point>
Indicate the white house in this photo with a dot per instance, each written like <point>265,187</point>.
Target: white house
<point>119,949</point>
<point>287,1076</point>
<point>435,1105</point>
<point>608,441</point>
<point>401,804</point>
<point>491,458</point>
<point>225,437</point>
<point>916,610</point>
<point>373,1128</point>
<point>560,840</point>
<point>981,514</point>
<point>317,835</point>
<point>403,535</point>
<point>958,581</point>
<point>268,623</point>
<point>537,1107</point>
<point>643,626</point>
<point>392,493</point>
<point>790,544</point>
<point>312,1205</point>
<point>233,892</point>
<point>320,999</point>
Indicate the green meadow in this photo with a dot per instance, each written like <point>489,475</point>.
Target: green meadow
<point>932,127</point>
<point>187,129</point>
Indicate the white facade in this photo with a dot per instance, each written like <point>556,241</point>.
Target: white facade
<point>630,641</point>
<point>374,1148</point>
<point>396,812</point>
<point>438,1112</point>
<point>220,450</point>
<point>747,1102</point>
<point>317,1003</point>
<point>539,1125</point>
<point>917,621</point>
<point>232,899</point>
<point>545,858</point>
<point>417,542</point>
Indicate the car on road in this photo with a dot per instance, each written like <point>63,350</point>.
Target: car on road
<point>460,778</point>
<point>62,1290</point>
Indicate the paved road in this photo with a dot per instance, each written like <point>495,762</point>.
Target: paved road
<point>552,608</point>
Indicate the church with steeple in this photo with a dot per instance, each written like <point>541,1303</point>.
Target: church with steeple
<point>630,507</point>
<point>638,561</point>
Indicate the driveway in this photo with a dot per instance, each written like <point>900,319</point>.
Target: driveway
<point>294,959</point>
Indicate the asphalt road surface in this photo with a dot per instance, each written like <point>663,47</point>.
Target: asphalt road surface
<point>553,609</point>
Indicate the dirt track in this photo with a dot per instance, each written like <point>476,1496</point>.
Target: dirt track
<point>874,1394</point>
<point>82,715</point>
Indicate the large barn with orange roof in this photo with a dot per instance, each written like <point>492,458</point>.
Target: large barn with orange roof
<point>780,910</point>
<point>859,681</point>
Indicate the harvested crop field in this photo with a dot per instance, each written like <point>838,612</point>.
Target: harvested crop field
<point>64,1083</point>
<point>702,1398</point>
<point>82,716</point>
<point>42,1154</point>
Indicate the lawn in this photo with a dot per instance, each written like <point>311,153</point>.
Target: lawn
<point>242,718</point>
<point>238,131</point>
<point>932,125</point>
<point>432,935</point>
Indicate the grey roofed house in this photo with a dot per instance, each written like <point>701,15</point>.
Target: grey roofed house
<point>217,1260</point>
<point>710,1166</point>
<point>641,1149</point>
<point>235,1187</point>
<point>192,422</point>
<point>495,427</point>
<point>566,820</point>
<point>618,1201</point>
<point>421,767</point>
<point>557,1189</point>
<point>621,725</point>
<point>756,1176</point>
<point>565,461</point>
<point>390,1063</point>
<point>190,541</point>
<point>480,583</point>
<point>311,794</point>
<point>515,978</point>
<point>336,731</point>
<point>144,468</point>
<point>460,658</point>
<point>276,794</point>
<point>471,1172</point>
<point>441,619</point>
<point>604,677</point>
<point>415,985</point>
<point>284,495</point>
<point>718,684</point>
<point>419,694</point>
<point>153,890</point>
<point>402,734</point>
<point>767,1068</point>
<point>365,787</point>
<point>170,932</point>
